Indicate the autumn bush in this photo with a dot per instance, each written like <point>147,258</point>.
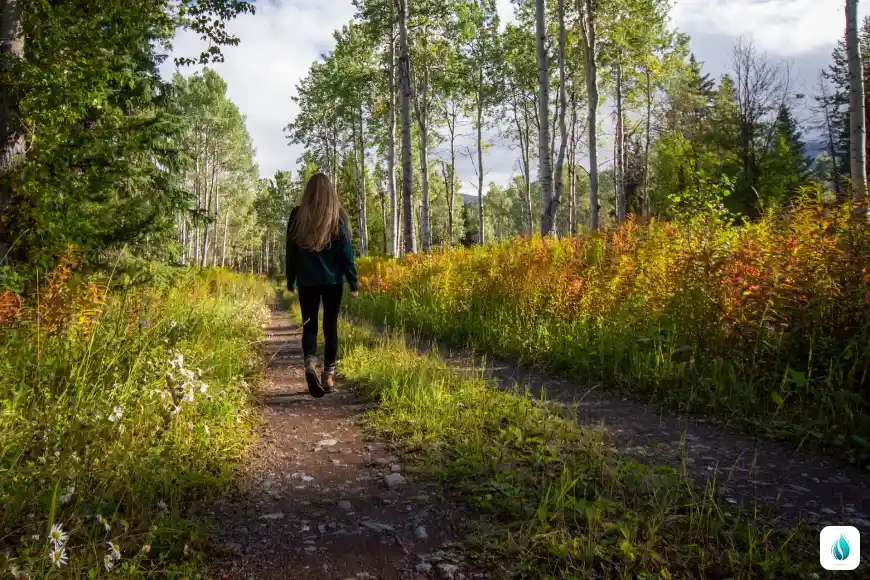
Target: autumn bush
<point>766,322</point>
<point>121,405</point>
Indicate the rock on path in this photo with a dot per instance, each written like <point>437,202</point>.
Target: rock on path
<point>317,499</point>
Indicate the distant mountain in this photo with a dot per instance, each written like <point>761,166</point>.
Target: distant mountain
<point>469,198</point>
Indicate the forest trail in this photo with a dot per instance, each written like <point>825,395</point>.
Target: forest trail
<point>797,484</point>
<point>319,499</point>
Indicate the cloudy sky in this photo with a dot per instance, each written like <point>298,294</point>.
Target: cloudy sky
<point>279,43</point>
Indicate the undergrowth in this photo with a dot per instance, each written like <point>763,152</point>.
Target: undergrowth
<point>122,406</point>
<point>766,324</point>
<point>554,500</point>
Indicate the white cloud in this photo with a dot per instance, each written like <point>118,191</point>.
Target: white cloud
<point>784,27</point>
<point>278,45</point>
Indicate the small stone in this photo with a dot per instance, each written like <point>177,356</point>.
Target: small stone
<point>310,548</point>
<point>327,443</point>
<point>396,468</point>
<point>421,498</point>
<point>420,533</point>
<point>423,567</point>
<point>447,571</point>
<point>307,478</point>
<point>274,516</point>
<point>377,526</point>
<point>345,505</point>
<point>394,480</point>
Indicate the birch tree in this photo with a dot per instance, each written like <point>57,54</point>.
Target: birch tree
<point>857,118</point>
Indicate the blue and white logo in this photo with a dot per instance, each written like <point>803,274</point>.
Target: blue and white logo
<point>839,548</point>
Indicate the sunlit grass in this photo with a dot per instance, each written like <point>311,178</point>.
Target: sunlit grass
<point>118,420</point>
<point>552,499</point>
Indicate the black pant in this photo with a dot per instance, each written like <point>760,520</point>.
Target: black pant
<point>309,302</point>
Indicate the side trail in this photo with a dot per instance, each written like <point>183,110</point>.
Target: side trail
<point>320,500</point>
<point>797,484</point>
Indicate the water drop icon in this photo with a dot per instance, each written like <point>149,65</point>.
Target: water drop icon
<point>840,550</point>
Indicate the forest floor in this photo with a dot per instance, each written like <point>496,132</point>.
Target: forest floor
<point>319,498</point>
<point>747,470</point>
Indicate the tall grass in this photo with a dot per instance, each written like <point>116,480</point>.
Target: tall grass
<point>766,323</point>
<point>551,499</point>
<point>121,407</point>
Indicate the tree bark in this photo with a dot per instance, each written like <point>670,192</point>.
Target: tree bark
<point>422,110</point>
<point>647,209</point>
<point>363,208</point>
<point>224,245</point>
<point>857,122</point>
<point>405,109</point>
<point>545,170</point>
<point>620,147</point>
<point>481,236</point>
<point>391,143</point>
<point>12,147</point>
<point>450,179</point>
<point>552,210</point>
<point>587,19</point>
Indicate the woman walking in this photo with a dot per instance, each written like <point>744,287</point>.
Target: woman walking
<point>319,260</point>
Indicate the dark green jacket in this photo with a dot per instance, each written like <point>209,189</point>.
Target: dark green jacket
<point>328,267</point>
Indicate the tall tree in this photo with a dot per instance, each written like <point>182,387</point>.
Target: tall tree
<point>545,170</point>
<point>588,24</point>
<point>405,110</point>
<point>857,115</point>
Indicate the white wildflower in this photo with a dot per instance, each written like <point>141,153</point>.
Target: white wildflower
<point>161,504</point>
<point>114,551</point>
<point>57,535</point>
<point>108,562</point>
<point>65,498</point>
<point>116,414</point>
<point>203,388</point>
<point>35,537</point>
<point>207,431</point>
<point>58,557</point>
<point>172,324</point>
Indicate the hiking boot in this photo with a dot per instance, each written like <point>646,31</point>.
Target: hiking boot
<point>314,387</point>
<point>327,379</point>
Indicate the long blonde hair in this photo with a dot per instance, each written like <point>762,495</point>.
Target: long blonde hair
<point>319,215</point>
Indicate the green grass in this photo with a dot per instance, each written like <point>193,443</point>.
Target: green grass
<point>117,424</point>
<point>553,500</point>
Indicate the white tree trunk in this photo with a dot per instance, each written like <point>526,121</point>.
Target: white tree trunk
<point>405,110</point>
<point>552,210</point>
<point>391,143</point>
<point>587,18</point>
<point>363,206</point>
<point>857,129</point>
<point>620,147</point>
<point>545,170</point>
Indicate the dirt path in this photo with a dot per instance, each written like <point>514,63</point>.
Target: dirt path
<point>798,484</point>
<point>319,499</point>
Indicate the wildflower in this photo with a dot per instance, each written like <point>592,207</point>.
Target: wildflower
<point>161,504</point>
<point>35,537</point>
<point>207,431</point>
<point>58,557</point>
<point>65,498</point>
<point>172,324</point>
<point>203,388</point>
<point>57,535</point>
<point>108,562</point>
<point>116,415</point>
<point>114,551</point>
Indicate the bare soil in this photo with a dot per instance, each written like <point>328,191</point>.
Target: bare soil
<point>319,498</point>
